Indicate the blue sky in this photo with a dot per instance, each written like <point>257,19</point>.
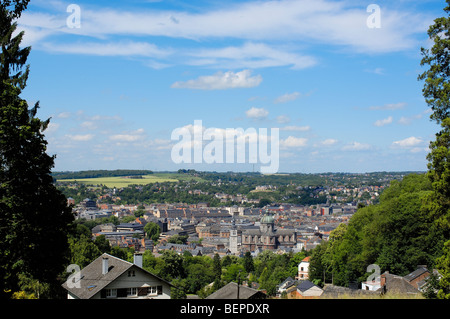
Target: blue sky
<point>344,96</point>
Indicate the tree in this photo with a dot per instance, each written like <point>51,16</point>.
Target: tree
<point>234,272</point>
<point>437,88</point>
<point>318,265</point>
<point>152,231</point>
<point>178,239</point>
<point>443,264</point>
<point>178,291</point>
<point>437,95</point>
<point>103,244</point>
<point>199,275</point>
<point>397,234</point>
<point>249,266</point>
<point>34,217</point>
<point>173,265</point>
<point>217,267</point>
<point>83,251</point>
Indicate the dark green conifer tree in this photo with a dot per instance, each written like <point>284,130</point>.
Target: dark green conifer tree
<point>34,217</point>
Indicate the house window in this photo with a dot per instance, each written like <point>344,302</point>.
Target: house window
<point>131,273</point>
<point>152,290</point>
<point>111,293</point>
<point>131,292</point>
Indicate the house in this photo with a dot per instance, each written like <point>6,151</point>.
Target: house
<point>130,227</point>
<point>417,276</point>
<point>286,286</point>
<point>303,269</point>
<point>371,285</point>
<point>306,290</point>
<point>396,284</point>
<point>235,291</point>
<point>109,277</point>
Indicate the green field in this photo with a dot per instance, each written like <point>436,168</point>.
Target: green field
<point>122,181</point>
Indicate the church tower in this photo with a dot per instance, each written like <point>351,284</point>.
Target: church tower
<point>267,224</point>
<point>233,238</point>
<point>233,241</point>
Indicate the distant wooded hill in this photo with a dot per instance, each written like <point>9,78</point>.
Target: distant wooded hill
<point>100,173</point>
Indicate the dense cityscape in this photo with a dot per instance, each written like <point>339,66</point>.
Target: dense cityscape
<point>149,173</point>
<point>216,221</point>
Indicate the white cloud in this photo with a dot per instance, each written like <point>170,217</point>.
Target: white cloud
<point>249,55</point>
<point>408,142</point>
<point>288,97</point>
<point>90,125</point>
<point>383,122</point>
<point>302,21</point>
<point>108,49</point>
<point>51,128</point>
<point>356,146</point>
<point>328,142</point>
<point>80,137</point>
<point>257,113</point>
<point>221,81</point>
<point>389,107</point>
<point>161,144</point>
<point>283,119</point>
<point>419,150</point>
<point>378,71</point>
<point>128,137</point>
<point>408,120</point>
<point>296,128</point>
<point>63,115</point>
<point>293,142</point>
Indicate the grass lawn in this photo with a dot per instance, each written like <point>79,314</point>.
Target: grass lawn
<point>121,181</point>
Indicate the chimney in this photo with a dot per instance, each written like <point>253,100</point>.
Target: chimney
<point>138,260</point>
<point>104,265</point>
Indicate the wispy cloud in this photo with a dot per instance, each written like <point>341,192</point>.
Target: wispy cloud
<point>283,119</point>
<point>296,128</point>
<point>80,137</point>
<point>257,113</point>
<point>127,48</point>
<point>221,81</point>
<point>383,122</point>
<point>303,21</point>
<point>389,107</point>
<point>412,144</point>
<point>357,146</point>
<point>328,142</point>
<point>250,55</point>
<point>378,71</point>
<point>128,137</point>
<point>408,142</point>
<point>293,142</point>
<point>288,97</point>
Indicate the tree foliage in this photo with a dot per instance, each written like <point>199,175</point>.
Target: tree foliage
<point>436,88</point>
<point>34,217</point>
<point>437,95</point>
<point>397,234</point>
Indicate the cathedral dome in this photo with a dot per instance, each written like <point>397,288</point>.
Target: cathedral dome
<point>267,219</point>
